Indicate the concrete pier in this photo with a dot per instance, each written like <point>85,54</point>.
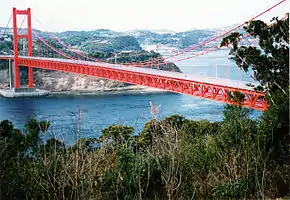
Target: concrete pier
<point>23,92</point>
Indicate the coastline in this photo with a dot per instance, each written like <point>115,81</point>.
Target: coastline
<point>101,91</point>
<point>135,89</point>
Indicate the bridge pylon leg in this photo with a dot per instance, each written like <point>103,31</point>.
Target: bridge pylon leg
<point>15,46</point>
<point>11,74</point>
<point>16,74</point>
<point>29,37</point>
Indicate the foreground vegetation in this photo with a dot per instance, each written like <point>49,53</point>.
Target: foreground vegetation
<point>173,158</point>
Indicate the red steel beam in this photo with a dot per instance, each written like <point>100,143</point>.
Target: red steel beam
<point>21,12</point>
<point>22,36</point>
<point>254,100</point>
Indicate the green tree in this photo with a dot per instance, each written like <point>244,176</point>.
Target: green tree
<point>117,134</point>
<point>270,64</point>
<point>269,61</point>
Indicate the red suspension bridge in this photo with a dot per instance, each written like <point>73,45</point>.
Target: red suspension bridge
<point>138,73</point>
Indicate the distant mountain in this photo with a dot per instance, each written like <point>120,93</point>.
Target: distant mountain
<point>162,31</point>
<point>178,40</point>
<point>110,41</point>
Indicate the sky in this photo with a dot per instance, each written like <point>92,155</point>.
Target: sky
<point>125,15</point>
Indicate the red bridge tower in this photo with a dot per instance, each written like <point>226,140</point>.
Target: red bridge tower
<point>28,36</point>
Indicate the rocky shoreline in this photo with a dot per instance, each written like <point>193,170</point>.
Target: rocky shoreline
<point>58,83</point>
<point>121,90</point>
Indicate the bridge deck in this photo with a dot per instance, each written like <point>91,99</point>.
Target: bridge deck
<point>197,78</point>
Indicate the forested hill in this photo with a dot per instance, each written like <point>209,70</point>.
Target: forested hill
<point>106,40</point>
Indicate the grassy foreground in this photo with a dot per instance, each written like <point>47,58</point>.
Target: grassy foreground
<point>174,158</point>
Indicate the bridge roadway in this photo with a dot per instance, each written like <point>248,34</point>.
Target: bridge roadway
<point>217,89</point>
<point>190,77</point>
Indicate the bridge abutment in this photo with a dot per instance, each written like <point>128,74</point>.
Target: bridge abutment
<point>13,92</point>
<point>22,92</point>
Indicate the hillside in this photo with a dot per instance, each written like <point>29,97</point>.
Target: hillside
<point>64,82</point>
<point>177,40</point>
<point>112,41</point>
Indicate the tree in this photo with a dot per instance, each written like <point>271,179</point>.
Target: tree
<point>117,134</point>
<point>270,64</point>
<point>269,61</point>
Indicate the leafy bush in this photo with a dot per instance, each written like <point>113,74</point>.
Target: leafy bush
<point>235,190</point>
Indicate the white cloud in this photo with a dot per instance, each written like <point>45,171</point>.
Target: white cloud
<point>60,15</point>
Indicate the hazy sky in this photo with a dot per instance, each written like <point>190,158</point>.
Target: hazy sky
<point>120,15</point>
